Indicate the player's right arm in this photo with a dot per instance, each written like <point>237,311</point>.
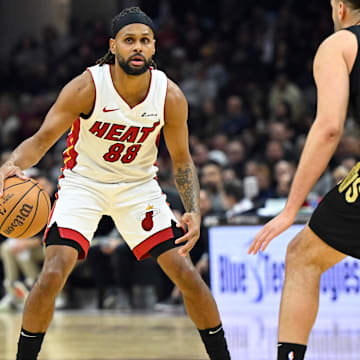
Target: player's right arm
<point>76,97</point>
<point>332,66</point>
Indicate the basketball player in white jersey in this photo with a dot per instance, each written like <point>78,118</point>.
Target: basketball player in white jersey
<point>116,110</point>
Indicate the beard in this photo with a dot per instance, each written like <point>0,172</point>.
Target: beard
<point>131,70</point>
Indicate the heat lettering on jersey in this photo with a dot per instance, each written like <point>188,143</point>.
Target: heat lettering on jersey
<point>121,134</point>
<point>115,132</point>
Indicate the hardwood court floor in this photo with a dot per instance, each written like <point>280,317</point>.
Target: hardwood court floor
<point>109,336</point>
<point>94,335</point>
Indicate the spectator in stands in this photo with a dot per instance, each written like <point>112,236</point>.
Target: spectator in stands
<point>200,154</point>
<point>235,202</point>
<point>235,151</point>
<point>236,119</point>
<point>211,179</point>
<point>286,91</point>
<point>274,152</point>
<point>263,176</point>
<point>284,172</point>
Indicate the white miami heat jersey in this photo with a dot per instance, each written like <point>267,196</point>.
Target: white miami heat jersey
<point>117,142</point>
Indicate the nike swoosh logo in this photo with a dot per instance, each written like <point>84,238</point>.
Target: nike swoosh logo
<point>28,336</point>
<point>108,110</point>
<point>216,331</point>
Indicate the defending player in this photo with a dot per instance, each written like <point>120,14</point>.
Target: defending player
<point>333,231</point>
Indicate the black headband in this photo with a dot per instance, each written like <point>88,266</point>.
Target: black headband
<point>135,18</point>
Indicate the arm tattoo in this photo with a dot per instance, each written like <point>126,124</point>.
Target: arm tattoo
<point>187,184</point>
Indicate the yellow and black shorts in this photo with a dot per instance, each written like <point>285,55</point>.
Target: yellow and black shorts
<point>337,218</point>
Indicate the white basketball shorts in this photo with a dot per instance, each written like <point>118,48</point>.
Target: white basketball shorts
<point>139,211</point>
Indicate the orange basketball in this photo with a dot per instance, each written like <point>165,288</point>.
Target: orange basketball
<point>24,208</point>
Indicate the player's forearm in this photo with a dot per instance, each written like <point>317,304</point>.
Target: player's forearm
<point>28,153</point>
<point>320,145</point>
<point>187,183</point>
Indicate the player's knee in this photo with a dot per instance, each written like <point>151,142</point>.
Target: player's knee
<point>51,281</point>
<point>293,251</point>
<point>299,254</point>
<point>189,280</point>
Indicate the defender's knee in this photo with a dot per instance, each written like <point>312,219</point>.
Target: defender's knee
<point>293,252</point>
<point>299,255</point>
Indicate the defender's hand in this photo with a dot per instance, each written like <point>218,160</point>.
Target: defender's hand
<point>192,222</point>
<point>8,170</point>
<point>272,229</point>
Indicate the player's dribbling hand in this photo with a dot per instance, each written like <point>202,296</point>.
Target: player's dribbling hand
<point>8,170</point>
<point>272,229</point>
<point>192,222</point>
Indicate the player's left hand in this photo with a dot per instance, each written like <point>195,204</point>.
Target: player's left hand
<point>191,221</point>
<point>272,229</point>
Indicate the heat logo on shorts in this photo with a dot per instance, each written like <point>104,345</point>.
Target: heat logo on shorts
<point>146,217</point>
<point>291,355</point>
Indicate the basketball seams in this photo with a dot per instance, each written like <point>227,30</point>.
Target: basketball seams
<point>14,207</point>
<point>41,190</point>
<point>19,183</point>
<point>32,220</point>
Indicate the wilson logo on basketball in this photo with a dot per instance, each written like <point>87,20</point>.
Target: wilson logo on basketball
<point>24,213</point>
<point>2,210</point>
<point>5,199</point>
<point>146,217</point>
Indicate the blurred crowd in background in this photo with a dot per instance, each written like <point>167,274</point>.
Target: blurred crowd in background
<point>248,79</point>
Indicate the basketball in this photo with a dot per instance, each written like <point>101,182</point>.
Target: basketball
<point>24,208</point>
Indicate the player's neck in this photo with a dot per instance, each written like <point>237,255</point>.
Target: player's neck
<point>351,22</point>
<point>130,86</point>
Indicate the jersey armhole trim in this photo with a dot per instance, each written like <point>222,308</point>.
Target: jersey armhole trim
<point>87,116</point>
<point>354,31</point>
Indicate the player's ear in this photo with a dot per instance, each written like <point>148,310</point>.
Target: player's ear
<point>112,45</point>
<point>341,10</point>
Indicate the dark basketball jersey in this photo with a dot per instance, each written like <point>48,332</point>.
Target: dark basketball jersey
<point>354,104</point>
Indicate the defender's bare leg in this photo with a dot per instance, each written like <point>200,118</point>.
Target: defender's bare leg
<point>306,259</point>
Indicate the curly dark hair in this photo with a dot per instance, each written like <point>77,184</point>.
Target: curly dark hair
<point>109,58</point>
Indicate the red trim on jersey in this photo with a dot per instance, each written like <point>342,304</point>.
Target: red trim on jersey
<point>75,236</point>
<point>158,140</point>
<point>141,251</point>
<point>51,214</point>
<point>146,95</point>
<point>167,88</point>
<point>159,134</point>
<point>70,154</point>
